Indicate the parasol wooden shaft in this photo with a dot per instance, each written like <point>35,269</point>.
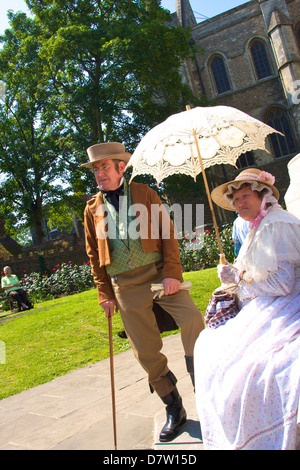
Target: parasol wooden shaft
<point>112,380</point>
<point>222,256</point>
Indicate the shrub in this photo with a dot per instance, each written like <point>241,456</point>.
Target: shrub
<point>207,254</point>
<point>68,278</point>
<point>65,279</point>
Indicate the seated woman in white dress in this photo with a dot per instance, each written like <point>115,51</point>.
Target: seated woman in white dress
<point>247,370</point>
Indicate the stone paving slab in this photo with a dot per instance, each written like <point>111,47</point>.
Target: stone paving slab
<point>74,412</point>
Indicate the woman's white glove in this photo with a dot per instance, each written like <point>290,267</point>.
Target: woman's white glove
<point>228,274</point>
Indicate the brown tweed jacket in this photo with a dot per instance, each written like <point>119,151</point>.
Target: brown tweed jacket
<point>156,235</point>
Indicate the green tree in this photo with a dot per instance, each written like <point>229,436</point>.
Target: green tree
<point>115,67</point>
<point>81,72</point>
<point>31,154</point>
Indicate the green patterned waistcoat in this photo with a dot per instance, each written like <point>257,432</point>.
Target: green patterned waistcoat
<point>125,245</point>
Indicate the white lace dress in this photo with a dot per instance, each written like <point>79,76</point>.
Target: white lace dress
<point>247,371</point>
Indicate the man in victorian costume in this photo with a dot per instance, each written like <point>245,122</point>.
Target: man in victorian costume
<point>131,244</point>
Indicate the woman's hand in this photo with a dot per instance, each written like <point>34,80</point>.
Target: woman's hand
<point>228,274</point>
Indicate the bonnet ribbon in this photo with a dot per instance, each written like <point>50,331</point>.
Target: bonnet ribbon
<point>262,213</point>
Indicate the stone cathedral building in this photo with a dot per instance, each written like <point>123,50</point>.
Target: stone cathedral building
<point>249,58</point>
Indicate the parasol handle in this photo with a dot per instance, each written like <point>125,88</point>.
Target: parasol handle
<point>222,259</point>
<point>222,256</point>
<point>209,196</point>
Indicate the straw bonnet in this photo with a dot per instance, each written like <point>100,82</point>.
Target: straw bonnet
<point>259,180</point>
<point>106,151</point>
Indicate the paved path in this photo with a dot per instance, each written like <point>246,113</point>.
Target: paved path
<point>73,412</point>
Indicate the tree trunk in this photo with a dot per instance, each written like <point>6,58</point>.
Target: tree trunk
<point>36,219</point>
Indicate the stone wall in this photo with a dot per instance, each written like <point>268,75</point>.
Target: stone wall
<point>44,260</point>
<point>230,36</point>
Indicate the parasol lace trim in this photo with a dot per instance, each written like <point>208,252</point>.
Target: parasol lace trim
<point>163,150</point>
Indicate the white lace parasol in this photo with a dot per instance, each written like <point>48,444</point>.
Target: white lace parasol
<point>223,134</point>
<point>193,140</point>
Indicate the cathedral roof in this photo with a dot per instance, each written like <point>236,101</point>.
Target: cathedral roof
<point>185,13</point>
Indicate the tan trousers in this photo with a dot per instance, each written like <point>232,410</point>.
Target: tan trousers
<point>135,299</point>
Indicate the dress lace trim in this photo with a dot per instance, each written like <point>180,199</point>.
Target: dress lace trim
<point>277,239</point>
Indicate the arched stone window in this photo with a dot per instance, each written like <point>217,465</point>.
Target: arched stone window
<point>279,120</point>
<point>220,75</point>
<point>260,60</point>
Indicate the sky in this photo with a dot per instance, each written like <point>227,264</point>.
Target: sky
<point>203,9</point>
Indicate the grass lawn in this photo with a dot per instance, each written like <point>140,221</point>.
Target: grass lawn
<point>67,333</point>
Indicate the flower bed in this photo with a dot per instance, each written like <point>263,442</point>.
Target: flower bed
<point>206,251</point>
<point>66,278</point>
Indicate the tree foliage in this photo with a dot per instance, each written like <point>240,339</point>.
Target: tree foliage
<point>114,66</point>
<point>30,131</point>
<point>81,72</point>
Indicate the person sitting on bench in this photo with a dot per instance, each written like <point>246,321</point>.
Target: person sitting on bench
<point>11,285</point>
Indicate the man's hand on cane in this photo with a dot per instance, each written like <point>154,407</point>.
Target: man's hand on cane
<point>109,307</point>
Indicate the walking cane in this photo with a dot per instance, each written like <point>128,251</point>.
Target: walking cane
<point>112,380</point>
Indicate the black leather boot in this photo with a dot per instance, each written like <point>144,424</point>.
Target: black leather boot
<point>176,416</point>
